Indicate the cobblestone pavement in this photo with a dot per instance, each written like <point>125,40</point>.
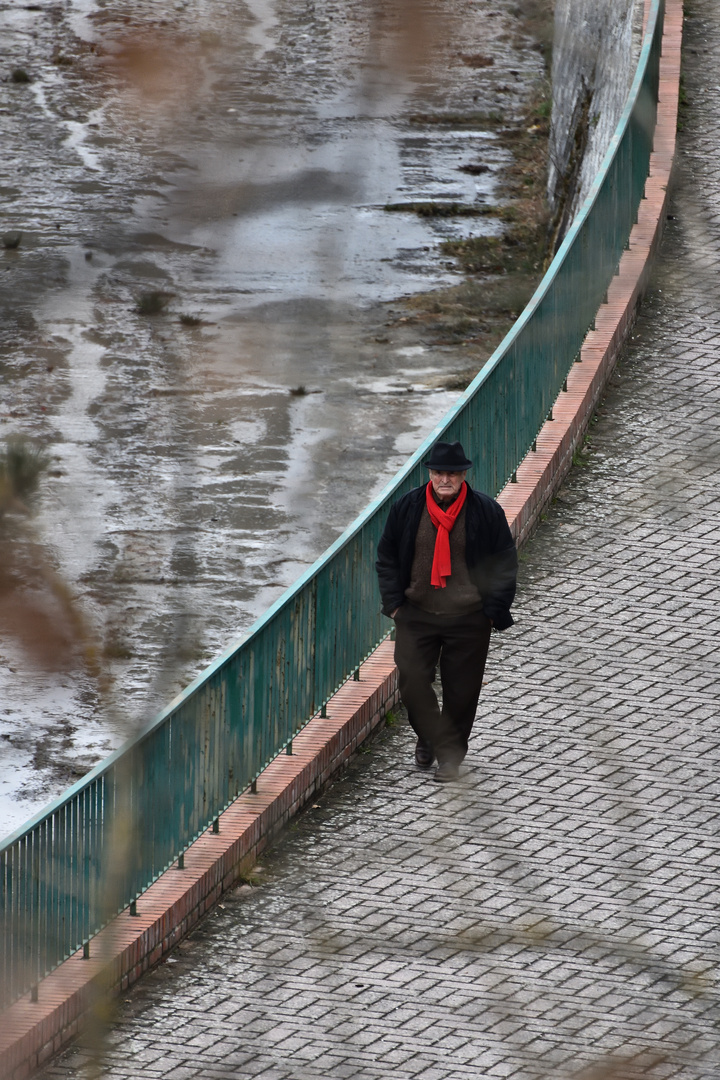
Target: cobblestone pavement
<point>558,909</point>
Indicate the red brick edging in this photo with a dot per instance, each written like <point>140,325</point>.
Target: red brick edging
<point>32,1031</point>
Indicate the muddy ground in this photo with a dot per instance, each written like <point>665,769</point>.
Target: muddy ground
<point>208,323</point>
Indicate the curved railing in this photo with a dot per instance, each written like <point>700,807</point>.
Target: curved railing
<point>131,817</point>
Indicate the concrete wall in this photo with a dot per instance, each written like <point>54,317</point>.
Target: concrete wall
<point>595,51</point>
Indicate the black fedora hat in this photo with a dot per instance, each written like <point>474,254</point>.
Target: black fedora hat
<point>447,457</point>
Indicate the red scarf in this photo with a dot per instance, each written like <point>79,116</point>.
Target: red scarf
<point>443,520</point>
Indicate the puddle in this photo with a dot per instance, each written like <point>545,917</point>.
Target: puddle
<point>237,158</point>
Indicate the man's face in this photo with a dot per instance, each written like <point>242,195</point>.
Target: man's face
<point>446,485</point>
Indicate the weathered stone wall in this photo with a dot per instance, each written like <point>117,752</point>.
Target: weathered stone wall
<point>595,52</point>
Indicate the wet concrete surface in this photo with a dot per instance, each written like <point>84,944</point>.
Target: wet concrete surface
<point>234,158</point>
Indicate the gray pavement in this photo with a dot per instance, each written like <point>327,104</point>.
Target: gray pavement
<point>556,913</point>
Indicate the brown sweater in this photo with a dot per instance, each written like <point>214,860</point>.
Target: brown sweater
<point>460,596</point>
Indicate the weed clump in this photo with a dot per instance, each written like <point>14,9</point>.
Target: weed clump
<point>459,380</point>
<point>521,248</point>
<point>441,209</point>
<point>190,320</point>
<point>21,466</point>
<point>153,302</point>
<point>116,648</point>
<point>459,119</point>
<point>581,456</point>
<point>19,75</point>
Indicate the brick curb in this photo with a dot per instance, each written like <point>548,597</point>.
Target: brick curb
<point>33,1032</point>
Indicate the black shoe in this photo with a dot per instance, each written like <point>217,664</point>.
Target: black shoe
<point>446,772</point>
<point>424,756</point>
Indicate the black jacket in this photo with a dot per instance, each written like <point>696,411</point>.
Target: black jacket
<point>489,552</point>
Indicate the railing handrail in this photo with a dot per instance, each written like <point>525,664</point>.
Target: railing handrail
<point>351,531</point>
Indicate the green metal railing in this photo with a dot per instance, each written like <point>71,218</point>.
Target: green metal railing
<point>96,849</point>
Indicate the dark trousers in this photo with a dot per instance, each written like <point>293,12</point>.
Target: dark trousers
<point>460,644</point>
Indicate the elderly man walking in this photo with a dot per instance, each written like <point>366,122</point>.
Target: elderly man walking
<point>447,566</point>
